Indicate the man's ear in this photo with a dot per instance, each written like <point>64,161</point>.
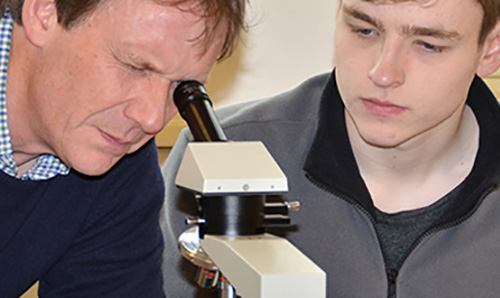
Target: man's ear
<point>490,60</point>
<point>39,16</point>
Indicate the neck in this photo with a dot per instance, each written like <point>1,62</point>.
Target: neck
<point>420,171</point>
<point>25,145</point>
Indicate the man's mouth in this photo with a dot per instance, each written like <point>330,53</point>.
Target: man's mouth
<point>115,141</point>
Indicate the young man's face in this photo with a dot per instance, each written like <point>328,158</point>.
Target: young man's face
<point>104,88</point>
<point>404,69</point>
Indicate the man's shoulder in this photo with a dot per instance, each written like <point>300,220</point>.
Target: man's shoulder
<point>298,104</point>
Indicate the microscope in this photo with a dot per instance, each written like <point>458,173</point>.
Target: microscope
<point>227,241</point>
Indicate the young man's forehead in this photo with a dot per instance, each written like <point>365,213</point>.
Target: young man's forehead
<point>421,2</point>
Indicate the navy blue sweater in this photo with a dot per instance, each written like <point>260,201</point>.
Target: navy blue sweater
<point>84,236</point>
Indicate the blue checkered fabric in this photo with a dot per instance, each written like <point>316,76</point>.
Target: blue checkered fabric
<point>46,166</point>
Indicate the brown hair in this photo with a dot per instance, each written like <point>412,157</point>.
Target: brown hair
<point>230,13</point>
<point>491,15</point>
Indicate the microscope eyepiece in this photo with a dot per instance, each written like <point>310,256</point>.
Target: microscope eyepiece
<point>195,107</point>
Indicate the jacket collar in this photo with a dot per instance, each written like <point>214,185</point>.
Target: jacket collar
<point>330,162</point>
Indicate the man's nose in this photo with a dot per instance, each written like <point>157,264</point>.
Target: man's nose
<point>388,69</point>
<point>149,108</point>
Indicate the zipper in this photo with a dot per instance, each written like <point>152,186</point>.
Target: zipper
<point>392,276</point>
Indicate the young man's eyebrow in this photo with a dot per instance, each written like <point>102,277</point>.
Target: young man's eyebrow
<point>355,13</point>
<point>431,32</point>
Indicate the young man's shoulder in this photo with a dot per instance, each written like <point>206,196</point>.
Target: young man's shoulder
<point>298,104</point>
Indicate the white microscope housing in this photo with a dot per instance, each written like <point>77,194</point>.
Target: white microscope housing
<point>254,263</point>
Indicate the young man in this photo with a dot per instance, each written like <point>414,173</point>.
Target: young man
<point>394,155</point>
<point>83,85</point>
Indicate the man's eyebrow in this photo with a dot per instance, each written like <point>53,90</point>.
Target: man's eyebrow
<point>355,13</point>
<point>126,56</point>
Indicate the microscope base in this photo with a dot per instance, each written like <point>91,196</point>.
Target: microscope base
<point>265,266</point>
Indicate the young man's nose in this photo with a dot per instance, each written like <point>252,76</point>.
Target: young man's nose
<point>388,69</point>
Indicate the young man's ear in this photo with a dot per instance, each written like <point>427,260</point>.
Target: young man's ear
<point>39,16</point>
<point>490,61</point>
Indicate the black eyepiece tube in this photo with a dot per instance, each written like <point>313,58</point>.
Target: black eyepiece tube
<point>195,107</point>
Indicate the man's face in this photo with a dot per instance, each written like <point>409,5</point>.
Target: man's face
<point>404,69</point>
<point>104,88</point>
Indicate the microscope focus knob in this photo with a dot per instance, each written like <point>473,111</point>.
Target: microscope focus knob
<point>294,205</point>
<point>194,221</point>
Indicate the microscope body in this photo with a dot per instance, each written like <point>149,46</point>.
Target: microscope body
<point>231,180</point>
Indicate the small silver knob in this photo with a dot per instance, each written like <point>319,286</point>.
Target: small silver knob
<point>294,205</point>
<point>194,221</point>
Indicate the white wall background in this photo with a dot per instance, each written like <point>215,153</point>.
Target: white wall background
<point>288,41</point>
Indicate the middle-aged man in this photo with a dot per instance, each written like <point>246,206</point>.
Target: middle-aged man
<point>394,156</point>
<point>84,86</point>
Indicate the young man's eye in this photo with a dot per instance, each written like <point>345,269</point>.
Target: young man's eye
<point>431,47</point>
<point>366,32</point>
<point>363,32</point>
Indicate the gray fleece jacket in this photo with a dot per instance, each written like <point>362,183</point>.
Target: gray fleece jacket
<point>304,129</point>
